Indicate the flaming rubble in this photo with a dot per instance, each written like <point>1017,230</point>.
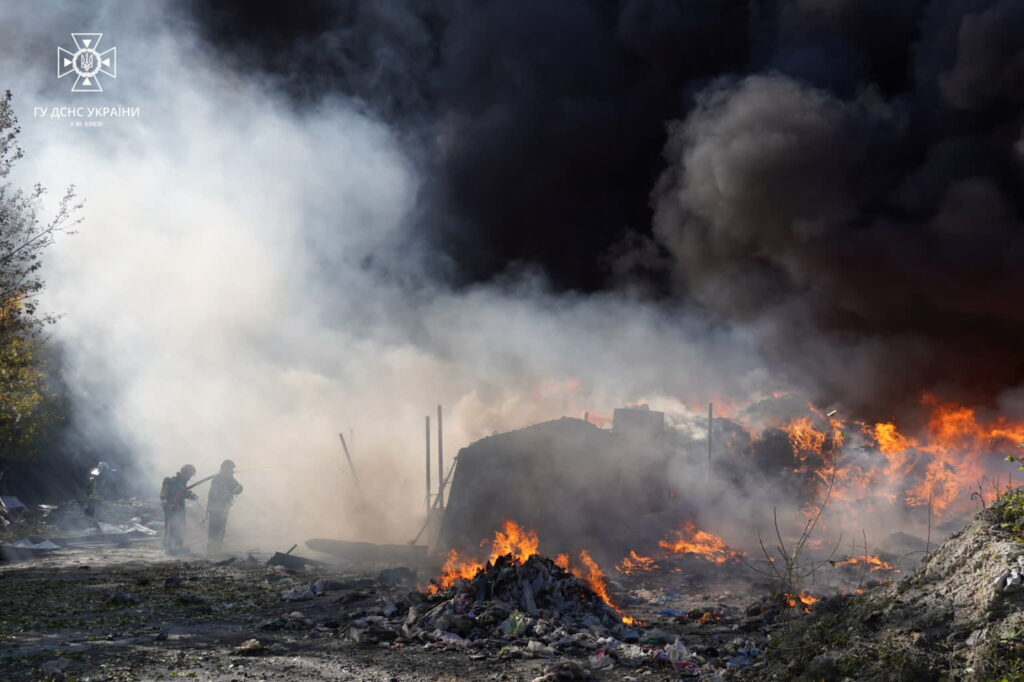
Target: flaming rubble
<point>517,545</point>
<point>952,455</point>
<point>804,600</point>
<point>634,563</point>
<point>691,540</point>
<point>873,563</point>
<point>512,540</point>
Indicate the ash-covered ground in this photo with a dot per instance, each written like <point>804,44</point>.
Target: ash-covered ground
<point>114,607</point>
<point>130,613</point>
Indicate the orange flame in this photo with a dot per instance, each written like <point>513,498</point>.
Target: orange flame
<point>634,563</point>
<point>805,437</point>
<point>511,539</point>
<point>805,599</point>
<point>691,540</point>
<point>598,582</point>
<point>937,466</point>
<point>874,562</point>
<point>956,439</point>
<point>456,567</point>
<point>521,544</point>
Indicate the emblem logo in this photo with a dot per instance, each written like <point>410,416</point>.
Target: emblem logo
<point>87,62</point>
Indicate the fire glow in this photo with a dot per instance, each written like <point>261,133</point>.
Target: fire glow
<point>691,540</point>
<point>804,600</point>
<point>874,563</point>
<point>513,540</point>
<point>951,457</point>
<point>634,563</point>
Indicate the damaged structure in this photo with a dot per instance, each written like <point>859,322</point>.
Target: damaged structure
<point>578,485</point>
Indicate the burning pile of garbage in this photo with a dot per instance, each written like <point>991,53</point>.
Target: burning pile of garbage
<point>511,597</point>
<point>516,596</point>
<point>516,575</point>
<point>950,459</point>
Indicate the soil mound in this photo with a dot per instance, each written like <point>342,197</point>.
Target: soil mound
<point>960,615</point>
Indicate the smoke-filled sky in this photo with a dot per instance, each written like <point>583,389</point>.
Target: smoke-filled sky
<point>338,215</point>
<point>841,177</point>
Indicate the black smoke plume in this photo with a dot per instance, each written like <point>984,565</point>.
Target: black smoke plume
<point>843,178</point>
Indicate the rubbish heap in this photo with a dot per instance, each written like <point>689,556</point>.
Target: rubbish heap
<point>518,609</point>
<point>505,602</point>
<point>537,590</point>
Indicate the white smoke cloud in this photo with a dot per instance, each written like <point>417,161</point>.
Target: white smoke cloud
<point>227,295</point>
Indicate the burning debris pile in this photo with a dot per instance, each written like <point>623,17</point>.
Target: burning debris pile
<point>927,474</point>
<point>542,608</point>
<point>943,465</point>
<point>514,546</point>
<point>513,598</point>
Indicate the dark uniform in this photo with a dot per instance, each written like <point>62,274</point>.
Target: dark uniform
<point>172,496</point>
<point>99,490</point>
<point>223,489</point>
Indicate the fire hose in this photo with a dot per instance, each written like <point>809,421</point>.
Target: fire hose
<point>181,496</point>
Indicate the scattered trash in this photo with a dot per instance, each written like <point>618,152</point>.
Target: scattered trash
<point>516,624</point>
<point>291,561</point>
<point>11,505</point>
<point>397,576</point>
<point>317,589</point>
<point>35,546</point>
<point>250,647</point>
<point>677,652</point>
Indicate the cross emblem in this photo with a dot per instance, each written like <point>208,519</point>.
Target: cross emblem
<point>87,62</point>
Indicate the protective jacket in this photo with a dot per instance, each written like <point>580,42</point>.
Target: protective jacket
<point>223,489</point>
<point>174,492</point>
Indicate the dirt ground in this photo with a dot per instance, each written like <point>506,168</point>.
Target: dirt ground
<point>132,613</point>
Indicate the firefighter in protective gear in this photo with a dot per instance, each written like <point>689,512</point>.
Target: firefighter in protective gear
<point>99,489</point>
<point>173,494</point>
<point>223,489</point>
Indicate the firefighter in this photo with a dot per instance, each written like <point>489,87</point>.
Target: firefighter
<point>99,489</point>
<point>173,494</point>
<point>223,489</point>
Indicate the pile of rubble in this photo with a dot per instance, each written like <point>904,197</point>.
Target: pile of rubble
<point>538,589</point>
<point>534,601</point>
<point>522,609</point>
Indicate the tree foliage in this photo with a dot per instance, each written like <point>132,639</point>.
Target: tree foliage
<point>26,404</point>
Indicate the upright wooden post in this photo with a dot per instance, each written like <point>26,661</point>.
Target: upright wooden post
<point>427,421</point>
<point>440,459</point>
<point>711,417</point>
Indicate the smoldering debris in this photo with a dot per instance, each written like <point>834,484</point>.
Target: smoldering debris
<point>535,609</point>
